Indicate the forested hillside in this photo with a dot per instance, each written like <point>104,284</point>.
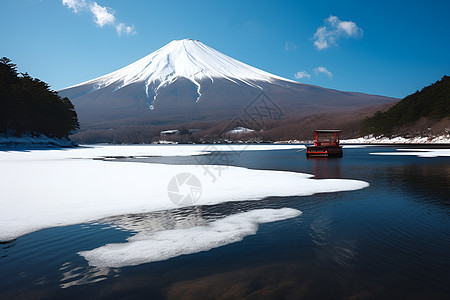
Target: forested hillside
<point>431,103</point>
<point>28,105</point>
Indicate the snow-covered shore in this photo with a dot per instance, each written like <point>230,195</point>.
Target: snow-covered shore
<point>34,142</point>
<point>443,139</point>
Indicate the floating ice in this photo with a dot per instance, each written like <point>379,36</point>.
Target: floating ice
<point>163,245</point>
<point>418,152</point>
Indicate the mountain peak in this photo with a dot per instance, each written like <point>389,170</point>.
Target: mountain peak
<point>186,58</point>
<point>187,40</point>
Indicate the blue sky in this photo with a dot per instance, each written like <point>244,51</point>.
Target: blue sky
<point>381,47</point>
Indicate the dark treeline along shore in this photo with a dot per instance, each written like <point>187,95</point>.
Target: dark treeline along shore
<point>415,114</point>
<point>29,106</point>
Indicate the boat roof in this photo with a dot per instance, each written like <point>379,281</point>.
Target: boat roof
<point>327,130</point>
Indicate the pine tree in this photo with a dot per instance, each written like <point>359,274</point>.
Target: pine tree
<point>28,105</point>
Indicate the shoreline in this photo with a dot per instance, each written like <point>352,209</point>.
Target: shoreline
<point>29,142</point>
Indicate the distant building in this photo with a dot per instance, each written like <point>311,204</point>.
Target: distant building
<point>169,132</point>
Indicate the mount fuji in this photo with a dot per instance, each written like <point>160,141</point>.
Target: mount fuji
<point>187,81</point>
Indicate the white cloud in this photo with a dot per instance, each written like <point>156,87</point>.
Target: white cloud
<point>334,29</point>
<point>302,74</point>
<point>321,69</point>
<point>76,5</point>
<point>125,29</point>
<point>290,46</point>
<point>102,15</point>
<point>350,28</point>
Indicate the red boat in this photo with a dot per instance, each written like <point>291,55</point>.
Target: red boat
<point>326,144</point>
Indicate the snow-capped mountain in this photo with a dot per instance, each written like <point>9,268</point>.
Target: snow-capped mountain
<point>187,80</point>
<point>189,59</point>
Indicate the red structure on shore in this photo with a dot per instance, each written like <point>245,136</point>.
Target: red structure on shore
<point>326,144</point>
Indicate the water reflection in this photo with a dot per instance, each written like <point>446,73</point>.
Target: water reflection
<point>327,168</point>
<point>5,247</point>
<point>320,231</point>
<point>428,181</point>
<point>161,220</point>
<point>329,249</point>
<point>73,275</point>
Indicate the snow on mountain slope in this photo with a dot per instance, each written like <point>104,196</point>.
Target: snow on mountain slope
<point>188,59</point>
<point>188,81</point>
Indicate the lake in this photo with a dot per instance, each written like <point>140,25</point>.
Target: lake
<point>390,240</point>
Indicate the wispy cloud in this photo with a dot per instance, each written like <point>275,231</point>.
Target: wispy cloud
<point>125,29</point>
<point>334,29</point>
<point>102,15</point>
<point>75,5</point>
<point>302,74</point>
<point>323,70</point>
<point>290,46</point>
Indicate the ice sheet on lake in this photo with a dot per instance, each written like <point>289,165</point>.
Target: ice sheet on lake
<point>46,189</point>
<point>166,244</point>
<point>102,151</point>
<point>418,152</point>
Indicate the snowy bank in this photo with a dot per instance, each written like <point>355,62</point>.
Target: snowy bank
<point>443,139</point>
<point>34,142</point>
<point>41,189</point>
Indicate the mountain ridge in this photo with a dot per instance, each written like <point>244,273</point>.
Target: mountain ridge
<point>186,80</point>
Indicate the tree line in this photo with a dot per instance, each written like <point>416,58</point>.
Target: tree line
<point>28,105</point>
<point>432,103</point>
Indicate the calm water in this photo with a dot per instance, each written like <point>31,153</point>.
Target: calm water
<point>388,241</point>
